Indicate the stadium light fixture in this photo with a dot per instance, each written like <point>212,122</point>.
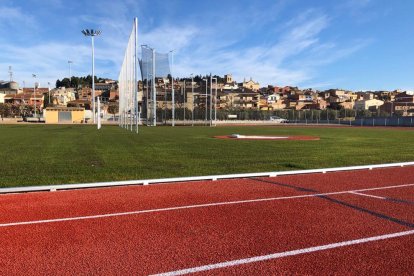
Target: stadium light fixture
<point>92,33</point>
<point>34,93</point>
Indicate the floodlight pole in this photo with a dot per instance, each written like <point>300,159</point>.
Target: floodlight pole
<point>172,88</point>
<point>192,93</point>
<point>92,33</point>
<point>34,93</point>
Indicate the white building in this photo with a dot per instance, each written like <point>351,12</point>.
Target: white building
<point>61,96</point>
<point>272,98</point>
<point>367,104</point>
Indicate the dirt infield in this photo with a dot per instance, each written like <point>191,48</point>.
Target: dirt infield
<point>264,137</point>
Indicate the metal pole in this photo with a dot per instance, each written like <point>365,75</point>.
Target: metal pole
<point>34,92</point>
<point>211,99</point>
<point>146,100</point>
<point>172,88</point>
<point>184,103</point>
<point>136,75</point>
<point>93,81</point>
<point>215,103</point>
<point>206,102</point>
<point>70,72</point>
<point>48,85</point>
<point>98,123</point>
<point>154,92</point>
<point>192,93</point>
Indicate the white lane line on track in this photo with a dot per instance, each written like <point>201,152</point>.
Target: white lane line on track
<point>283,254</point>
<point>194,206</point>
<point>373,196</point>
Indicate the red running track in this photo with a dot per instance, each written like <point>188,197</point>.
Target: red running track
<point>289,224</point>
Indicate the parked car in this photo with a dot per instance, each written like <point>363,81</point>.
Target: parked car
<point>277,119</point>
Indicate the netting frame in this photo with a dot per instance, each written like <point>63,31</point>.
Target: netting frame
<point>129,115</point>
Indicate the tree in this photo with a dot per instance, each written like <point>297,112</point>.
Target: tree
<point>65,82</point>
<point>113,108</point>
<point>4,110</point>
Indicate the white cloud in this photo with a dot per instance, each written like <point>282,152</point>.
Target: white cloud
<point>9,15</point>
<point>290,55</point>
<point>293,59</point>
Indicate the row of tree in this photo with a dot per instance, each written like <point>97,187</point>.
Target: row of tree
<point>11,110</point>
<point>78,82</point>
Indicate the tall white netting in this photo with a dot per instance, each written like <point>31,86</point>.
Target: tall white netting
<point>155,70</point>
<point>128,84</point>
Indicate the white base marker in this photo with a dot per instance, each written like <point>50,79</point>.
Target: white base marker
<point>283,254</point>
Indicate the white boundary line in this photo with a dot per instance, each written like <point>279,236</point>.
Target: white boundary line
<point>284,254</point>
<point>373,196</point>
<point>195,206</point>
<point>192,178</point>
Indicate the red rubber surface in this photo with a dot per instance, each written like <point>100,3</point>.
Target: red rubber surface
<point>177,239</point>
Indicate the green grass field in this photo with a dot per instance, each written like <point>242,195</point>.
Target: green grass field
<point>46,154</point>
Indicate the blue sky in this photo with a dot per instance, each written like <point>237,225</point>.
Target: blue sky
<point>349,44</point>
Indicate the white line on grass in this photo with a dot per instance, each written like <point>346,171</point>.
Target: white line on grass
<point>195,206</point>
<point>284,254</point>
<point>373,196</point>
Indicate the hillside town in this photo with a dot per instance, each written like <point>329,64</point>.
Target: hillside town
<point>194,93</point>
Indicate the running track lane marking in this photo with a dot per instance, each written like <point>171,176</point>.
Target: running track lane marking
<point>373,196</point>
<point>194,206</point>
<point>283,254</point>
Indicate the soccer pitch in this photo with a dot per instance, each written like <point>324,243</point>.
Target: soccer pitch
<point>49,154</point>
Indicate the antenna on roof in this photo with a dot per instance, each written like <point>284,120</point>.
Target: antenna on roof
<point>10,73</point>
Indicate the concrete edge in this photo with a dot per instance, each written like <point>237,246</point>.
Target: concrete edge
<point>192,178</point>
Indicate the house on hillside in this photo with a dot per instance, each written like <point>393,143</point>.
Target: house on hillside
<point>371,104</point>
<point>252,85</point>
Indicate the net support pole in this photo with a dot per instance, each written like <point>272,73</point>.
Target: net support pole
<point>93,81</point>
<point>154,92</point>
<point>172,89</point>
<point>99,114</point>
<point>136,75</point>
<point>211,100</point>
